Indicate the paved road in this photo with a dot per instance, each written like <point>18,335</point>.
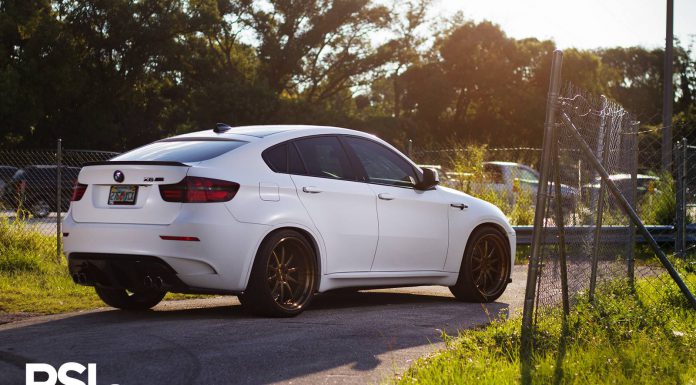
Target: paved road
<point>345,338</point>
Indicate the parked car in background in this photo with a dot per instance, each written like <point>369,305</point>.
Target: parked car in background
<point>644,183</point>
<point>6,173</point>
<point>508,179</point>
<point>34,188</point>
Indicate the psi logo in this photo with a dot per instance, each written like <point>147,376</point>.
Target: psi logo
<point>63,374</point>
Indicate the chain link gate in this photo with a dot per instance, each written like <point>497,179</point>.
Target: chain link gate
<point>566,268</point>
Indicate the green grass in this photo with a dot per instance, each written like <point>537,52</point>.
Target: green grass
<point>32,280</point>
<point>619,339</point>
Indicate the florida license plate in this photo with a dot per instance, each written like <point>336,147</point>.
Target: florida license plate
<point>123,195</point>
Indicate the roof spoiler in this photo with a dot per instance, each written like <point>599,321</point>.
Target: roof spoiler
<point>136,163</point>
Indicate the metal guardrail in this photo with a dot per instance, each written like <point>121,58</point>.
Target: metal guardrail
<point>609,234</point>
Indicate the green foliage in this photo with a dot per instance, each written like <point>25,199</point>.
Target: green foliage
<point>117,74</point>
<point>659,205</point>
<point>619,338</point>
<point>22,249</point>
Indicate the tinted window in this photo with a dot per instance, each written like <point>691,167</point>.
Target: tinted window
<point>324,157</point>
<point>277,158</point>
<point>295,165</point>
<point>382,165</point>
<point>181,150</point>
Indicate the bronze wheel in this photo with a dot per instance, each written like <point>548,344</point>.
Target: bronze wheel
<point>284,277</point>
<point>485,269</point>
<point>290,274</point>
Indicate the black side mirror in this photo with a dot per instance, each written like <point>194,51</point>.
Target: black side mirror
<point>430,179</point>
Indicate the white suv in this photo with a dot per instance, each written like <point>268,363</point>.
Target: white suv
<point>274,214</point>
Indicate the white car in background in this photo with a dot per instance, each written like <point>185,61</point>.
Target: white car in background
<point>274,214</point>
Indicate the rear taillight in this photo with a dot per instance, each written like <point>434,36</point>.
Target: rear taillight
<point>21,187</point>
<point>78,191</point>
<point>199,190</point>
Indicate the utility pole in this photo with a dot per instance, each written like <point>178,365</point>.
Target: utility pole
<point>667,91</point>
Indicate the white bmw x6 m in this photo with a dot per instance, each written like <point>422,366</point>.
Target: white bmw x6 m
<point>275,214</point>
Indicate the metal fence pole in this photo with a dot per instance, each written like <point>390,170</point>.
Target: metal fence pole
<point>604,132</point>
<point>59,198</point>
<point>587,152</point>
<point>541,200</point>
<point>560,223</point>
<point>680,220</point>
<point>634,203</point>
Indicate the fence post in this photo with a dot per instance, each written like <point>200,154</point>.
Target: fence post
<point>59,198</point>
<point>541,200</point>
<point>603,146</point>
<point>680,220</point>
<point>634,202</point>
<point>560,223</point>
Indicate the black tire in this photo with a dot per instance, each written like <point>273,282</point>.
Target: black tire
<point>284,276</point>
<point>485,269</point>
<point>122,299</point>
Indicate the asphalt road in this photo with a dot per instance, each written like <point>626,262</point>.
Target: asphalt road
<point>344,338</point>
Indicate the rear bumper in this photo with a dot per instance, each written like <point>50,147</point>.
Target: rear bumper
<point>219,262</point>
<point>132,272</point>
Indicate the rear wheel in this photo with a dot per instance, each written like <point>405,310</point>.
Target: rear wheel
<point>127,300</point>
<point>485,268</point>
<point>283,279</point>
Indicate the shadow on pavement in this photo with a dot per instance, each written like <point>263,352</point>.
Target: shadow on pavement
<point>345,337</point>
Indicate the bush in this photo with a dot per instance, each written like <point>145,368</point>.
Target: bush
<point>24,249</point>
<point>659,205</point>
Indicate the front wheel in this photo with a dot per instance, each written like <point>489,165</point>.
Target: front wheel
<point>126,300</point>
<point>283,279</point>
<point>485,269</point>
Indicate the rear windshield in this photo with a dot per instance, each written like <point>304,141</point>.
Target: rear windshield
<point>181,150</point>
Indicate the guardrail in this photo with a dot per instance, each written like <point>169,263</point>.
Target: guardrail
<point>610,234</point>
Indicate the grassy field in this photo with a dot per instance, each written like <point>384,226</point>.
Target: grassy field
<point>619,339</point>
<point>32,280</point>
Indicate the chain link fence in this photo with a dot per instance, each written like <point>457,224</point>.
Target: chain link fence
<point>36,187</point>
<point>623,187</point>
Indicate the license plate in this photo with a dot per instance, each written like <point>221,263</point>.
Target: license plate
<point>123,195</point>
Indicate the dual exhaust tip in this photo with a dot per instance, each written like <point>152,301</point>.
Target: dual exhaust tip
<point>153,282</point>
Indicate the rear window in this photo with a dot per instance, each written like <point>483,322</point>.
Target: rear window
<point>181,150</point>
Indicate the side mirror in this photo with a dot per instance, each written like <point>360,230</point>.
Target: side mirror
<point>430,179</point>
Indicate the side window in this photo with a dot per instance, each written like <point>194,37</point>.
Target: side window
<point>382,165</point>
<point>525,174</point>
<point>284,159</point>
<point>324,157</point>
<point>277,158</point>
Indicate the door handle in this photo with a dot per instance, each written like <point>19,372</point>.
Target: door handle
<point>311,190</point>
<point>385,196</point>
<point>460,206</point>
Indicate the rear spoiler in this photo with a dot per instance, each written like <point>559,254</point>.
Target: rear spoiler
<point>136,163</point>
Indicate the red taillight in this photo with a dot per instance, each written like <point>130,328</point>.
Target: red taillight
<point>194,189</point>
<point>22,187</point>
<point>78,191</point>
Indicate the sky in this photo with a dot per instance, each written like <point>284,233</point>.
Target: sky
<point>582,23</point>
